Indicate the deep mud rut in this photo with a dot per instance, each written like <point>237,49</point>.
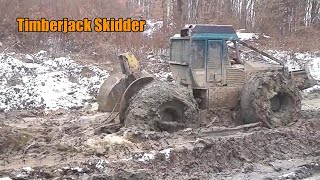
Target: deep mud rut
<point>80,145</point>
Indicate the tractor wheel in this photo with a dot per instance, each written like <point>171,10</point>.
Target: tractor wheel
<point>162,106</point>
<point>270,98</point>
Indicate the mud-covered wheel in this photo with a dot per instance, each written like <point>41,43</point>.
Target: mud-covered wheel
<point>162,106</point>
<point>270,98</point>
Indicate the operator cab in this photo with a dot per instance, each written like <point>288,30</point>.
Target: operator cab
<point>203,51</point>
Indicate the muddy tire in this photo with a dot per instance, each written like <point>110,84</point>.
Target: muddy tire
<point>162,106</point>
<point>270,98</point>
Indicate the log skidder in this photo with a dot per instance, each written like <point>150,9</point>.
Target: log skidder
<point>208,73</point>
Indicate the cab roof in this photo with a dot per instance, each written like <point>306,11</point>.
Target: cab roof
<point>208,31</point>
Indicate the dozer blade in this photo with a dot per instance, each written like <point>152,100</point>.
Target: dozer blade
<point>133,88</point>
<point>111,91</point>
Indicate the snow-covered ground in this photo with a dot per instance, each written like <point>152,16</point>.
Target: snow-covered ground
<point>38,81</point>
<point>35,81</point>
<point>244,36</point>
<point>152,26</point>
<point>247,36</point>
<point>314,68</point>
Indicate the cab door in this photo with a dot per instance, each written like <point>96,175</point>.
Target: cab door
<point>214,61</point>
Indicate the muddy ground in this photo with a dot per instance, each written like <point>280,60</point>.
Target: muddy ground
<point>84,144</point>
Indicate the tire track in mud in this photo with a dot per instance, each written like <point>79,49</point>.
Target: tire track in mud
<point>212,154</point>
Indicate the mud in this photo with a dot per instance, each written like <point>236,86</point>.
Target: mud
<point>221,117</point>
<point>77,145</point>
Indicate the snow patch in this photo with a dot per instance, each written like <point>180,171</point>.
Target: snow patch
<point>314,68</point>
<point>45,82</point>
<point>266,36</point>
<point>78,169</point>
<point>166,152</point>
<point>5,178</point>
<point>144,157</point>
<point>28,56</point>
<point>291,175</point>
<point>152,26</point>
<point>311,89</point>
<point>27,169</point>
<point>147,157</point>
<point>247,36</point>
<point>101,163</point>
<point>163,76</point>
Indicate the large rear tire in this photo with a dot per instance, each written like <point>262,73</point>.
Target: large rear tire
<point>162,106</point>
<point>270,98</point>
